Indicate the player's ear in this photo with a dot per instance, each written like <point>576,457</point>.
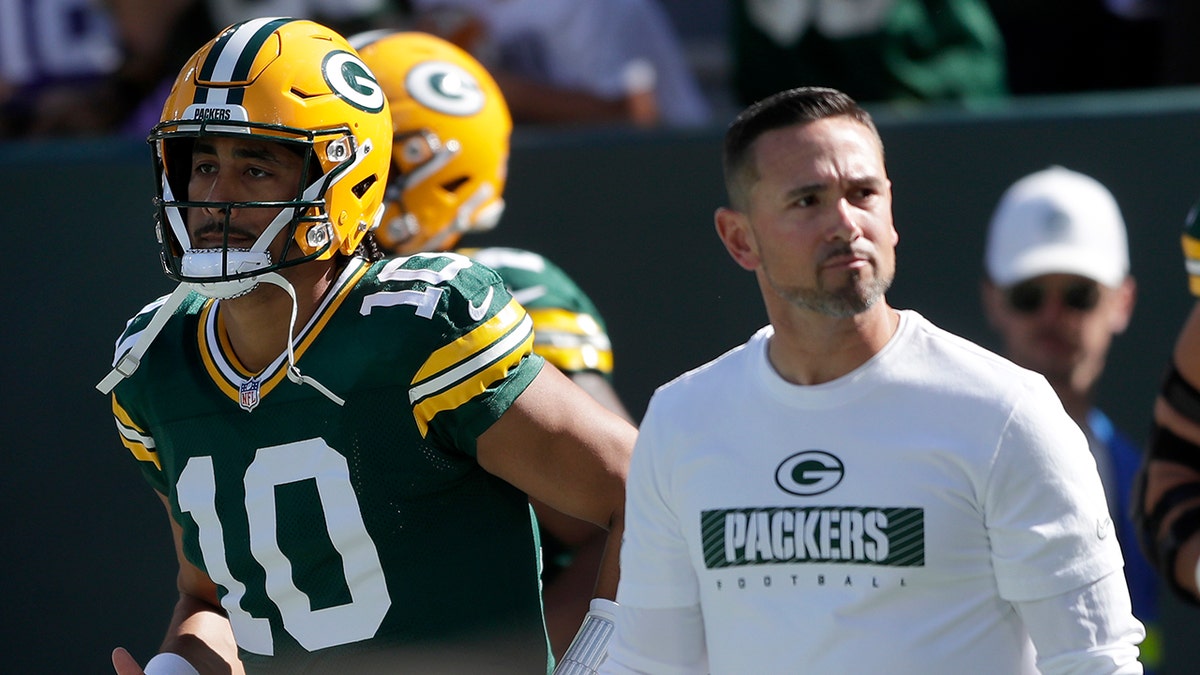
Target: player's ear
<point>1126,298</point>
<point>733,227</point>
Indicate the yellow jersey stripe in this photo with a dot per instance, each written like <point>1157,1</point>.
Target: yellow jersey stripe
<point>574,359</point>
<point>564,320</point>
<point>470,378</point>
<point>206,356</point>
<point>134,438</point>
<point>570,340</point>
<point>479,339</point>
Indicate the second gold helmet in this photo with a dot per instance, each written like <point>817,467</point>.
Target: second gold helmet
<point>451,129</point>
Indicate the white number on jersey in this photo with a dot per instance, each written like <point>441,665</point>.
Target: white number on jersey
<point>311,459</point>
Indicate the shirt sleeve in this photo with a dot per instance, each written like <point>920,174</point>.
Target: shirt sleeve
<point>659,641</point>
<point>1087,630</point>
<point>656,568</point>
<point>1045,511</point>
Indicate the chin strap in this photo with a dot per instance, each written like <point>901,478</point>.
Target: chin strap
<point>293,373</point>
<point>130,360</point>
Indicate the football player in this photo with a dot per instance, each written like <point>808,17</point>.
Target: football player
<point>1170,511</point>
<point>451,129</point>
<point>344,444</point>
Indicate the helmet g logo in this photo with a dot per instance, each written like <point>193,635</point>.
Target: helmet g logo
<point>352,81</point>
<point>809,473</point>
<point>444,87</point>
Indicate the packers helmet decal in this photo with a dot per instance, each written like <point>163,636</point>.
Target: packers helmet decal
<point>445,87</point>
<point>350,79</point>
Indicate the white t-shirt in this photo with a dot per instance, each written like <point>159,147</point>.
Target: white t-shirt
<point>879,523</point>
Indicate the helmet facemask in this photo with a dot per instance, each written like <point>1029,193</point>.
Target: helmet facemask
<point>281,80</point>
<point>303,220</point>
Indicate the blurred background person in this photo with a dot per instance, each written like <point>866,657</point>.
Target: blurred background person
<point>56,60</point>
<point>1170,512</point>
<point>1057,291</point>
<point>159,35</point>
<point>95,67</point>
<point>576,61</point>
<point>878,51</point>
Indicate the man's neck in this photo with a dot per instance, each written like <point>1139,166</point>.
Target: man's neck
<point>812,349</point>
<point>257,323</point>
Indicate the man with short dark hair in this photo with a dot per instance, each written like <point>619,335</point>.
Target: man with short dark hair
<point>855,489</point>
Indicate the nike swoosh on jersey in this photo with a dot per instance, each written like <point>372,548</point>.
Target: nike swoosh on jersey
<point>477,312</point>
<point>527,295</point>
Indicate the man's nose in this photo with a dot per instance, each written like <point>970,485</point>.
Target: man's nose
<point>845,225</point>
<point>217,198</point>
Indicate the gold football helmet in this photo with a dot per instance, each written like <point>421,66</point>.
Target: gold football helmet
<point>451,131</point>
<point>295,82</point>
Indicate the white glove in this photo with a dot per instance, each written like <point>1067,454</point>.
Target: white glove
<point>590,646</point>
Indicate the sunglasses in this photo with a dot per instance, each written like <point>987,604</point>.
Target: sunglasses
<point>1028,297</point>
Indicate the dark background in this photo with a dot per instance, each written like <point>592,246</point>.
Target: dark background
<point>88,561</point>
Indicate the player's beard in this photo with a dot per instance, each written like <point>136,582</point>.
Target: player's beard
<point>853,296</point>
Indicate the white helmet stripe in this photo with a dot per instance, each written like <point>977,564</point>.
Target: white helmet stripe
<point>232,56</point>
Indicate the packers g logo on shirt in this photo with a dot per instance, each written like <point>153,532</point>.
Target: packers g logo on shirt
<point>809,473</point>
<point>352,81</point>
<point>444,87</point>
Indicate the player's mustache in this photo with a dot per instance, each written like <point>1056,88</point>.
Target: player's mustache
<point>214,227</point>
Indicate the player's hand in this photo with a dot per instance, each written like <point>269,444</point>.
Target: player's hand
<point>124,663</point>
<point>1191,249</point>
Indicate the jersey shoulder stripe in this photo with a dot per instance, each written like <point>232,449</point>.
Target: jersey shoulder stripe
<point>140,443</point>
<point>466,368</point>
<point>568,329</point>
<point>486,337</point>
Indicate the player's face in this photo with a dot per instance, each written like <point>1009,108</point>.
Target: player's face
<point>239,170</point>
<point>1060,325</point>
<point>820,216</point>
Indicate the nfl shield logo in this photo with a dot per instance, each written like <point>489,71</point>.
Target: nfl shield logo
<point>249,394</point>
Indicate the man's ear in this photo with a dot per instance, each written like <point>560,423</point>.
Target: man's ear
<point>733,227</point>
<point>1126,299</point>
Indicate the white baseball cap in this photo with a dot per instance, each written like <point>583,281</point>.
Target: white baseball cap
<point>1057,221</point>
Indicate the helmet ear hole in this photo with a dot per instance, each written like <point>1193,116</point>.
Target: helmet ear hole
<point>454,185</point>
<point>363,185</point>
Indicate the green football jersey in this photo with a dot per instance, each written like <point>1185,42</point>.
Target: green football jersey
<point>568,329</point>
<point>363,537</point>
